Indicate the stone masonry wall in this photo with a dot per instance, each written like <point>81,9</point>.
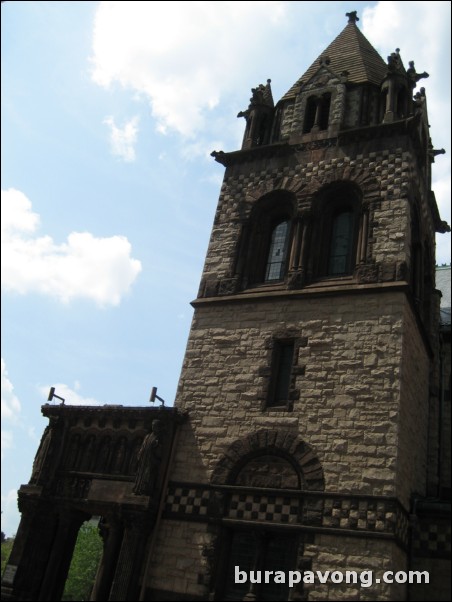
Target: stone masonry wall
<point>331,553</point>
<point>413,413</point>
<point>349,403</point>
<point>446,469</point>
<point>178,558</point>
<point>383,176</point>
<point>324,81</point>
<point>180,564</point>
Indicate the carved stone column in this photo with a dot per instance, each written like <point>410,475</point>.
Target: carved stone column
<point>69,523</point>
<point>27,562</point>
<point>318,112</point>
<point>111,530</point>
<point>295,250</point>
<point>298,259</point>
<point>126,582</point>
<point>305,240</point>
<point>361,251</point>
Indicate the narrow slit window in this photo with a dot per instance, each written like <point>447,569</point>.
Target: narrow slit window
<point>281,373</point>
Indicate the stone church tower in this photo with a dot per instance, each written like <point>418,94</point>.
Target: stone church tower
<point>307,375</point>
<point>310,422</point>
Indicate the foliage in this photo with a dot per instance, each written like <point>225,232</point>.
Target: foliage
<point>7,546</point>
<point>86,557</point>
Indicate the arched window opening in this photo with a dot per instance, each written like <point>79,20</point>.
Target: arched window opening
<point>309,116</point>
<point>277,253</point>
<point>341,244</point>
<point>383,103</point>
<point>276,129</point>
<point>339,240</point>
<point>262,131</point>
<point>317,113</point>
<point>258,547</point>
<point>264,247</point>
<point>85,560</point>
<point>324,111</point>
<point>401,108</point>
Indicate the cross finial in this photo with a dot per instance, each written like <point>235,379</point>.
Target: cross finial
<point>352,17</point>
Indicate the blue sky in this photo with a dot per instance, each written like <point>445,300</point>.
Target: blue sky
<point>109,113</point>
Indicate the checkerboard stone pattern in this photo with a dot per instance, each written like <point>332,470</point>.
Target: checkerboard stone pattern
<point>193,502</point>
<point>188,500</point>
<point>274,508</point>
<point>364,514</point>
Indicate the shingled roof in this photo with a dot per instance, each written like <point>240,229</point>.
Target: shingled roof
<point>351,51</point>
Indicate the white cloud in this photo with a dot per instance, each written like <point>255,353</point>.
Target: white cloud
<point>98,269</point>
<point>10,513</point>
<point>188,59</point>
<point>70,395</point>
<point>122,140</point>
<point>182,56</point>
<point>7,441</point>
<point>389,25</point>
<point>10,403</point>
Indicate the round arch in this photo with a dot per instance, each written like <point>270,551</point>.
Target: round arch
<point>276,443</point>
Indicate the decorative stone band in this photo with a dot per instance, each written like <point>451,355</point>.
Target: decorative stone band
<point>356,515</point>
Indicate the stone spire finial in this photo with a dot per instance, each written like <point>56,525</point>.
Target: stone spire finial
<point>352,17</point>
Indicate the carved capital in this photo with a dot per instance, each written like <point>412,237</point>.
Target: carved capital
<point>296,279</point>
<point>367,274</point>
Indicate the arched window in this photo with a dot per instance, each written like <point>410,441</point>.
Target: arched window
<point>317,113</point>
<point>259,548</point>
<point>309,114</point>
<point>263,250</point>
<point>341,244</point>
<point>401,104</point>
<point>339,239</point>
<point>324,111</point>
<point>277,253</point>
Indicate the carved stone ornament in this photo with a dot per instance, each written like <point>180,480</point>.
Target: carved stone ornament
<point>149,459</point>
<point>367,274</point>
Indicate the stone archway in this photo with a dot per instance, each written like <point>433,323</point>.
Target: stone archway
<point>262,477</point>
<point>108,461</point>
<point>281,444</point>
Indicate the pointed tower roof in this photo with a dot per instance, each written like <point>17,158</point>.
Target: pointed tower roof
<point>351,51</point>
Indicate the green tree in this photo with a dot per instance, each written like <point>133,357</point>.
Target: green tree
<point>82,572</point>
<point>7,546</point>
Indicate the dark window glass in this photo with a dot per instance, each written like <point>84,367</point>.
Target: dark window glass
<point>259,552</point>
<point>282,370</point>
<point>278,557</point>
<point>341,245</point>
<point>242,553</point>
<point>310,112</point>
<point>277,252</point>
<point>324,111</point>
